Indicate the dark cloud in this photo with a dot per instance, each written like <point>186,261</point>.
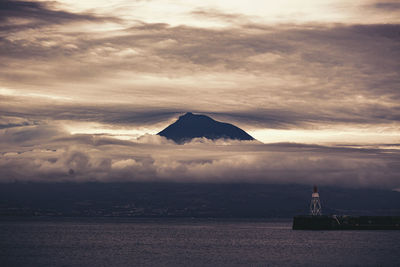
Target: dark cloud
<point>386,6</point>
<point>63,157</point>
<point>199,49</point>
<point>133,115</point>
<point>176,49</point>
<point>29,135</point>
<point>129,115</point>
<point>10,122</point>
<point>10,125</point>
<point>330,74</point>
<point>45,12</point>
<point>216,14</point>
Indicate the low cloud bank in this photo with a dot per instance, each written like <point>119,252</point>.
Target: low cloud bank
<point>47,153</point>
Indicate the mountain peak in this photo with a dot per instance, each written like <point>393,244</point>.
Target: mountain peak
<point>187,115</point>
<point>190,126</point>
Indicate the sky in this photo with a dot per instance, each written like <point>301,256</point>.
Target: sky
<point>86,85</point>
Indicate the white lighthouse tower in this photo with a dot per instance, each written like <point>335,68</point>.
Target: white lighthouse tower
<point>315,205</point>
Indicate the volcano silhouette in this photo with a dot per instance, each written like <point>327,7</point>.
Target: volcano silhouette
<point>191,126</point>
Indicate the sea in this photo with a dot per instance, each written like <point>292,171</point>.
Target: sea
<point>187,242</point>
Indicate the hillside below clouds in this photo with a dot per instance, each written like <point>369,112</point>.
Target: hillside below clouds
<point>191,126</point>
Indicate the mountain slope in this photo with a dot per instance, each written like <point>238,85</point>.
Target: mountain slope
<point>191,126</point>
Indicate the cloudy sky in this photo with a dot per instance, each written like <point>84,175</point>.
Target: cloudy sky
<point>85,85</point>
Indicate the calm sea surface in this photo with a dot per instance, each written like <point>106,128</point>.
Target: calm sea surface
<point>136,242</point>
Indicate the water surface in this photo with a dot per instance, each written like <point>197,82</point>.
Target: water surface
<point>188,242</point>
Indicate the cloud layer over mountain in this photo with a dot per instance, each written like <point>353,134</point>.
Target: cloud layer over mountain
<point>45,153</point>
<point>77,77</point>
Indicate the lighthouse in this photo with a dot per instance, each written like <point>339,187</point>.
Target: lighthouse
<point>315,205</point>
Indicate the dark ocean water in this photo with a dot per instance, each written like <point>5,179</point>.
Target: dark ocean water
<point>185,242</point>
